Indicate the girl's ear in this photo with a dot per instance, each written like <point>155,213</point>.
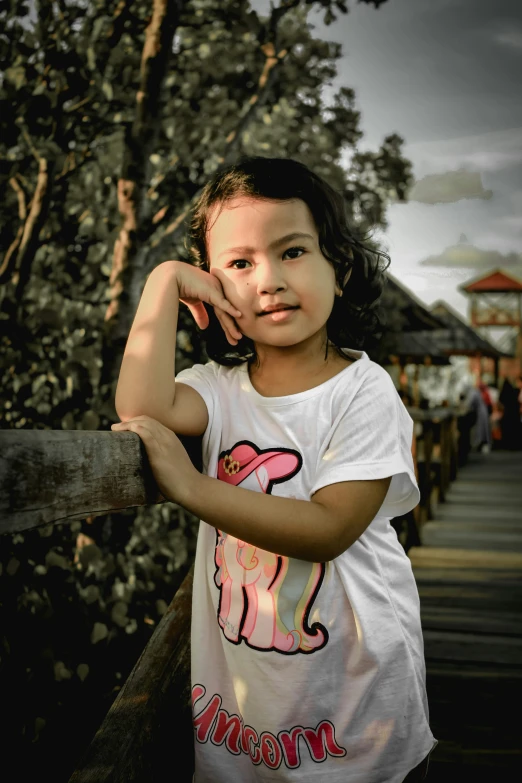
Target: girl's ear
<point>338,290</point>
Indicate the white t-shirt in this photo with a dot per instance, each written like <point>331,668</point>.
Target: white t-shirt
<point>307,671</point>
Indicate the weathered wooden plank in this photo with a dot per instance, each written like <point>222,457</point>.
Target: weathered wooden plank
<point>480,531</point>
<point>482,486</point>
<point>482,578</point>
<point>481,622</point>
<point>440,534</point>
<point>148,729</point>
<point>480,494</point>
<point>471,717</point>
<point>452,762</point>
<point>471,596</point>
<point>479,648</point>
<point>446,557</point>
<point>474,725</point>
<point>489,471</point>
<point>51,476</point>
<point>486,516</point>
<point>452,674</point>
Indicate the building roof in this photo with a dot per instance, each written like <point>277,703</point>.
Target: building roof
<point>459,338</point>
<point>413,347</point>
<point>495,280</point>
<point>415,315</point>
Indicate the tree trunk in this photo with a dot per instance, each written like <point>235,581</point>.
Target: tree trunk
<point>127,274</point>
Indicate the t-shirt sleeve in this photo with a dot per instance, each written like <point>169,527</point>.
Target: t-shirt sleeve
<point>371,438</point>
<point>204,379</point>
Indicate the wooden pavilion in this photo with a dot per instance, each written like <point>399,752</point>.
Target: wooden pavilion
<point>415,315</point>
<point>410,340</point>
<point>461,339</point>
<point>496,303</point>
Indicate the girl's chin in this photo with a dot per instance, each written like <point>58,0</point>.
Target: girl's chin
<point>274,343</point>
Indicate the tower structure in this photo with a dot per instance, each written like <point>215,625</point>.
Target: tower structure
<point>496,311</point>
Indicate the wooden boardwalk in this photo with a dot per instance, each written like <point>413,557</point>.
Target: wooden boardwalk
<point>469,575</point>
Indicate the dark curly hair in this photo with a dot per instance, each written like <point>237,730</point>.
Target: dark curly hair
<point>354,317</point>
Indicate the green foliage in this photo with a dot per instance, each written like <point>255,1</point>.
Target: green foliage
<point>79,601</point>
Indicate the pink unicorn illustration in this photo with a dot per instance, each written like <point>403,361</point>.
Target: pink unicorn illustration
<point>265,598</point>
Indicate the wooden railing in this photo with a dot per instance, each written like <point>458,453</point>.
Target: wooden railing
<point>49,476</point>
<point>436,432</point>
<point>438,451</point>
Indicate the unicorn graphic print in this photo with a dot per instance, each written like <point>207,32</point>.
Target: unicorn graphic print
<point>265,599</point>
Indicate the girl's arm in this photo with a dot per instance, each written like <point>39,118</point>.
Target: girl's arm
<point>146,384</point>
<point>146,379</point>
<point>317,530</point>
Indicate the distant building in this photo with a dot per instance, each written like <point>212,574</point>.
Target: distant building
<point>496,312</point>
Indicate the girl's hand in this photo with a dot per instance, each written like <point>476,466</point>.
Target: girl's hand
<point>174,472</point>
<point>197,286</point>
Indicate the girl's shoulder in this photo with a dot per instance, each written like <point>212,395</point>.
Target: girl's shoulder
<point>207,373</point>
<point>366,366</point>
<point>376,386</point>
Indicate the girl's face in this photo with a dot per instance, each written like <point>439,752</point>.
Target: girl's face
<point>266,253</point>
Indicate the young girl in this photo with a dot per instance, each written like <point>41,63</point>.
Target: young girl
<point>307,650</point>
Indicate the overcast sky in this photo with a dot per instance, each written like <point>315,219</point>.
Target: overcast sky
<point>445,75</point>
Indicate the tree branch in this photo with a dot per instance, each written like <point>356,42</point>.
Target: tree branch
<point>139,142</point>
<point>233,140</point>
<point>17,261</point>
<point>9,262</point>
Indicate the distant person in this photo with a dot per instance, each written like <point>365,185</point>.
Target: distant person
<point>496,416</point>
<point>519,387</point>
<point>480,436</point>
<point>510,422</point>
<point>486,396</point>
<point>466,421</point>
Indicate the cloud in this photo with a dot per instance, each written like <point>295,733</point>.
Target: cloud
<point>464,255</point>
<point>449,187</point>
<point>512,38</point>
<point>484,152</point>
<point>431,286</point>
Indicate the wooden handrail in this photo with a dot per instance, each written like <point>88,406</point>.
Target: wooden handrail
<point>431,414</point>
<point>435,450</point>
<point>437,436</point>
<point>50,476</point>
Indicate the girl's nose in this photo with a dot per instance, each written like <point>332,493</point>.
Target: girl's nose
<point>270,278</point>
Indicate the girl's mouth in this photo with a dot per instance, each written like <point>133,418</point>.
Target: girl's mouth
<point>280,315</point>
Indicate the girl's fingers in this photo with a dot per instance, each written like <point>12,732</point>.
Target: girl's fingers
<point>199,314</point>
<point>221,301</point>
<point>225,305</point>
<point>229,327</point>
<point>230,337</point>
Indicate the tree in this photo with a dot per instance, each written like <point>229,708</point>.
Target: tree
<point>104,141</point>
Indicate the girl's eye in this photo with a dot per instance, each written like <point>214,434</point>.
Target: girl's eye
<point>239,261</point>
<point>243,261</point>
<point>293,249</point>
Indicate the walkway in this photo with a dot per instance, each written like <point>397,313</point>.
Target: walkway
<point>469,575</point>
